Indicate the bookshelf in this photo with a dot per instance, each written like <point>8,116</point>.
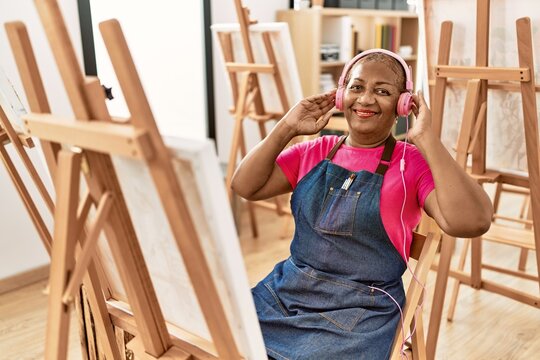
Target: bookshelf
<point>353,30</point>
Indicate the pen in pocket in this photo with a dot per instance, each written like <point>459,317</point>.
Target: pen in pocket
<point>347,183</point>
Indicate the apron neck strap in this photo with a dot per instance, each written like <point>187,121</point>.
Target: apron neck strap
<point>389,146</point>
<point>336,147</point>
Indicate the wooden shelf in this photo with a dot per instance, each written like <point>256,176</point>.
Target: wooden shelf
<point>498,85</point>
<point>410,58</point>
<point>330,64</point>
<point>361,12</point>
<point>351,30</point>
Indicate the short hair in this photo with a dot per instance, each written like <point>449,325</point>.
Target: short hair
<point>388,60</point>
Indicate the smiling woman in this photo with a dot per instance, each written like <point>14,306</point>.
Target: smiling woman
<point>370,103</point>
<point>355,201</point>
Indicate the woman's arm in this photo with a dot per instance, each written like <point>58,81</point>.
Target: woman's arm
<point>258,176</point>
<point>458,204</point>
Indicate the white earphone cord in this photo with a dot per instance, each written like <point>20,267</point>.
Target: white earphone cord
<point>402,171</point>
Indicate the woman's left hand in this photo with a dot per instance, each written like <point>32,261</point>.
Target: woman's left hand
<point>422,123</point>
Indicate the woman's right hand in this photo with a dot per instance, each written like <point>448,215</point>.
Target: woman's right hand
<point>310,115</point>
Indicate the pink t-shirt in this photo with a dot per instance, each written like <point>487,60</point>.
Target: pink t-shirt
<point>298,160</point>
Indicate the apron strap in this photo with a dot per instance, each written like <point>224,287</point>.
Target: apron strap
<point>336,147</point>
<point>389,146</point>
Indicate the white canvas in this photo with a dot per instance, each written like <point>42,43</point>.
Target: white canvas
<point>286,62</point>
<point>505,134</point>
<point>200,178</point>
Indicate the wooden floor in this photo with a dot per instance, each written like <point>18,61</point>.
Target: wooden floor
<point>486,326</point>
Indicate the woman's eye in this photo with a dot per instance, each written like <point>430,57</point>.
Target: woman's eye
<point>355,87</point>
<point>382,92</point>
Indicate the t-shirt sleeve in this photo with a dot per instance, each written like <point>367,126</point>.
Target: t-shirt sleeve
<point>299,159</point>
<point>289,162</point>
<point>424,178</point>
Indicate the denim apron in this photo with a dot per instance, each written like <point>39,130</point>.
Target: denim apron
<point>325,300</point>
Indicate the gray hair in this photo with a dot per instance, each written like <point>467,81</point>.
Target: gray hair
<point>389,61</point>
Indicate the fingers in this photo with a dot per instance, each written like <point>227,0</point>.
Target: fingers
<point>421,101</point>
<point>415,109</point>
<point>320,104</point>
<point>324,98</point>
<point>323,121</point>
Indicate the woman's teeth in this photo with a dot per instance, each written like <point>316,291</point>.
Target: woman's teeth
<point>365,113</point>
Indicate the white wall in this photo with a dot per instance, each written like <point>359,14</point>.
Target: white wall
<point>166,40</point>
<point>224,12</point>
<point>20,247</point>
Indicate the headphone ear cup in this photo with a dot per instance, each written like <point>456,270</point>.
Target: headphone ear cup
<point>405,103</point>
<point>339,98</point>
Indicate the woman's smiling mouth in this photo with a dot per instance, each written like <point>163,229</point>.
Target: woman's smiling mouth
<point>365,113</point>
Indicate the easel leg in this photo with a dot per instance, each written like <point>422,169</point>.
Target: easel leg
<point>476,262</point>
<point>523,255</point>
<point>417,340</point>
<point>439,91</point>
<point>262,132</point>
<point>63,269</point>
<point>250,205</point>
<point>447,248</point>
<point>63,254</point>
<point>457,283</point>
<point>89,326</point>
<point>238,144</point>
<point>237,133</point>
<point>530,119</point>
<point>102,321</point>
<point>482,54</point>
<point>468,121</point>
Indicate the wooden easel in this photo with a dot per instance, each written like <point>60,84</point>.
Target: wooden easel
<point>247,96</point>
<point>72,258</point>
<point>22,143</point>
<point>38,102</point>
<point>423,249</point>
<point>472,139</point>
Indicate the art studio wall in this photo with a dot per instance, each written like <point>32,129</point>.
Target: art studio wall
<point>166,40</point>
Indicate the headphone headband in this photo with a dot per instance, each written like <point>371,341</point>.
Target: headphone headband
<point>405,101</point>
<point>350,64</point>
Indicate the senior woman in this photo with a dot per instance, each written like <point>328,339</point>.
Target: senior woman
<point>355,201</point>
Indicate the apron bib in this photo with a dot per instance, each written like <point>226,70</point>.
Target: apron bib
<point>318,304</point>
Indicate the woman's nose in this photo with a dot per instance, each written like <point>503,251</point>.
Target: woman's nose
<point>366,97</point>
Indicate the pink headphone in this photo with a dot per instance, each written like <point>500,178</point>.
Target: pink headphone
<point>405,100</point>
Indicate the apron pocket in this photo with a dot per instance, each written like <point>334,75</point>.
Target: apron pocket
<point>338,212</point>
<point>344,319</point>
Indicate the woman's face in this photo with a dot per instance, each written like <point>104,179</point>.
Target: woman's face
<point>370,100</point>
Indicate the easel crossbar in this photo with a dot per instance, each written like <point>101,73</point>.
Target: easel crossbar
<point>483,73</point>
<point>4,139</point>
<point>520,296</point>
<point>89,247</point>
<point>117,139</point>
<point>253,68</point>
<point>25,140</point>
